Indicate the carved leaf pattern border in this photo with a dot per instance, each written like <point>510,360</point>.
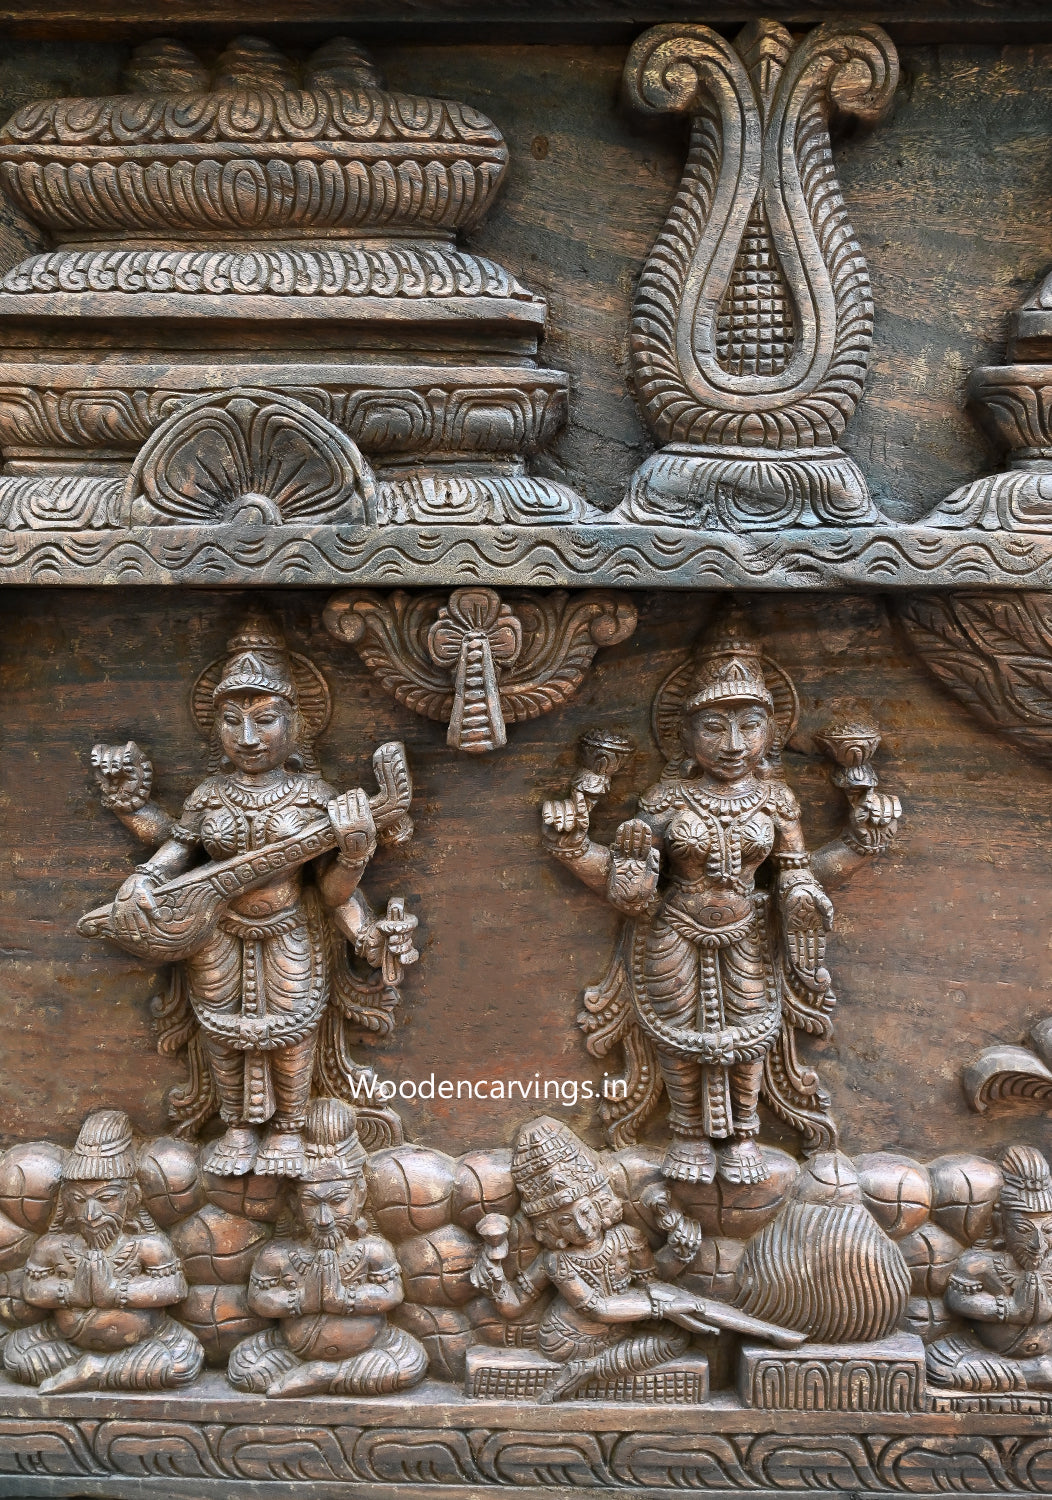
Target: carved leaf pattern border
<point>994,653</point>
<point>247,1453</point>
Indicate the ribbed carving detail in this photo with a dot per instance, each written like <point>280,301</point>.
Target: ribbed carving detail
<point>828,1270</point>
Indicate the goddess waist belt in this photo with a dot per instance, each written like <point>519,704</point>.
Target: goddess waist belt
<point>258,929</point>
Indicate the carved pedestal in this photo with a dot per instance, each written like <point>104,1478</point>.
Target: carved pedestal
<point>886,1375</point>
<point>518,1374</point>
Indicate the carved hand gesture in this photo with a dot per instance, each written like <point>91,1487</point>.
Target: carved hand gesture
<point>1030,1304</point>
<point>134,908</point>
<point>352,821</point>
<point>674,1303</point>
<point>875,818</point>
<point>566,819</point>
<point>684,1236</point>
<point>487,1275</point>
<point>396,933</point>
<point>807,915</point>
<point>124,775</point>
<point>634,840</point>
<point>635,868</point>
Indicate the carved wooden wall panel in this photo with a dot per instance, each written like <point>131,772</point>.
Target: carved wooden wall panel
<point>524,913</point>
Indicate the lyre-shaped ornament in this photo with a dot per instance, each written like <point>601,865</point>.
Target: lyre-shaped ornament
<point>754,316</point>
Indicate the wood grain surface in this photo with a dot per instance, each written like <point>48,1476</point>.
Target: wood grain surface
<point>940,948</point>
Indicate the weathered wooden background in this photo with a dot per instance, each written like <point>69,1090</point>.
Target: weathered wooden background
<point>940,949</point>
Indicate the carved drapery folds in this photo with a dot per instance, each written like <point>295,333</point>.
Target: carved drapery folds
<point>475,660</point>
<point>753,317</point>
<point>301,227</point>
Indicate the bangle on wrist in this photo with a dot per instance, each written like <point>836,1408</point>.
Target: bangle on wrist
<point>791,861</point>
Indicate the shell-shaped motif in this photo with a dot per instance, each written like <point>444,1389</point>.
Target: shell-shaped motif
<point>827,1269</point>
<point>251,455</point>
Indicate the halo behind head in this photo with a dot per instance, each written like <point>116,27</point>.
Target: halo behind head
<point>726,666</point>
<point>258,661</point>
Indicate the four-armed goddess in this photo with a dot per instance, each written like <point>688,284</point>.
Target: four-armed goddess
<point>263,986</point>
<point>714,972</point>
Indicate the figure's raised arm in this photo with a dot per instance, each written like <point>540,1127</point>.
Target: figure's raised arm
<point>873,816</point>
<point>124,774</point>
<point>625,874</point>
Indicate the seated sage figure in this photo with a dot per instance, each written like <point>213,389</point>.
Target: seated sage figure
<point>608,1315</point>
<point>107,1275</point>
<point>1005,1292</point>
<point>331,1287</point>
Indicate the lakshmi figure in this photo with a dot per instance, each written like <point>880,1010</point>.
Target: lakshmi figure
<point>263,988</point>
<point>714,972</point>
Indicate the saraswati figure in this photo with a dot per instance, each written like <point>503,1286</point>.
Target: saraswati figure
<point>715,970</point>
<point>263,992</point>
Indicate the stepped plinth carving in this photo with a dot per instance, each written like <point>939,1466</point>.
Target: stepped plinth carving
<point>299,223</point>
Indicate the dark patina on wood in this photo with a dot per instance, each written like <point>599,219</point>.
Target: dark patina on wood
<point>436,401</point>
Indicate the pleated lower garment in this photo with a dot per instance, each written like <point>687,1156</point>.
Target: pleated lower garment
<point>708,982</point>
<point>272,975</point>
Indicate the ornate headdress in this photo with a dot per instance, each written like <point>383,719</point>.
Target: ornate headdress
<point>552,1168</point>
<point>103,1150</point>
<point>332,1152</point>
<point>728,667</point>
<point>1027,1181</point>
<point>258,663</point>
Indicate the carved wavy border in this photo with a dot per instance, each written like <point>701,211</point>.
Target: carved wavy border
<point>228,1447</point>
<point>885,557</point>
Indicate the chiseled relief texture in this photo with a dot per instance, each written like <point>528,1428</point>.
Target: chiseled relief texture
<point>257,347</point>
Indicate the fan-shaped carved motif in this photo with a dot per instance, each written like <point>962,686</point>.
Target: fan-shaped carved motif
<point>249,455</point>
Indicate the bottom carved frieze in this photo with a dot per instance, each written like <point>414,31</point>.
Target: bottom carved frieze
<point>400,1321</point>
<point>206,1443</point>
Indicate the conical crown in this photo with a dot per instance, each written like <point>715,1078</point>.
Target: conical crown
<point>1027,1181</point>
<point>332,1150</point>
<point>728,667</point>
<point>258,663</point>
<point>103,1150</point>
<point>552,1168</point>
